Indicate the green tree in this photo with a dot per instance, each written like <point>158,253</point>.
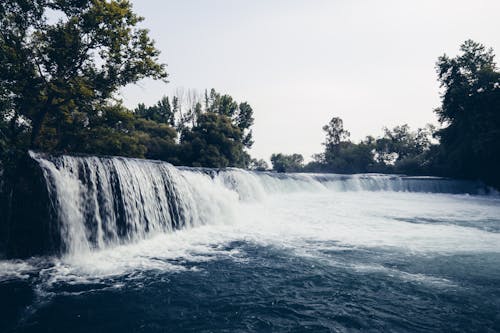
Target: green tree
<point>214,142</point>
<point>346,157</point>
<point>113,133</point>
<point>287,163</point>
<point>161,112</point>
<point>335,133</point>
<point>402,143</point>
<point>159,140</point>
<point>244,120</point>
<point>470,113</point>
<point>56,78</point>
<point>241,114</point>
<point>258,164</point>
<point>341,155</point>
<point>222,129</point>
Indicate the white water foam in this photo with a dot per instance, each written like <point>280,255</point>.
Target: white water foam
<point>307,225</point>
<point>306,215</point>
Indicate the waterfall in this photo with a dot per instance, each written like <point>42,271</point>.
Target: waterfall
<point>104,201</point>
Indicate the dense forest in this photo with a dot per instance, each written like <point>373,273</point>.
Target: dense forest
<point>59,84</point>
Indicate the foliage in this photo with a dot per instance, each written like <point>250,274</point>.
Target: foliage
<point>57,80</point>
<point>349,157</point>
<point>161,112</point>
<point>215,135</point>
<point>400,145</point>
<point>398,150</point>
<point>158,139</point>
<point>113,133</point>
<point>340,154</point>
<point>258,165</point>
<point>287,163</point>
<point>470,113</point>
<point>335,133</point>
<point>214,142</point>
<point>469,139</point>
<point>240,114</point>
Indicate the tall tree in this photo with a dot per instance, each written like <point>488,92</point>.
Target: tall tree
<point>335,132</point>
<point>336,135</point>
<point>470,112</point>
<point>244,120</point>
<point>214,142</point>
<point>58,77</point>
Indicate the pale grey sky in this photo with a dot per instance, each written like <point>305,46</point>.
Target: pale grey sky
<point>300,62</point>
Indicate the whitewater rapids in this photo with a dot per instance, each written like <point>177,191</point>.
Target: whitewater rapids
<point>131,225</point>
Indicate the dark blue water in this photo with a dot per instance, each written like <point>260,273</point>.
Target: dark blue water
<point>268,289</point>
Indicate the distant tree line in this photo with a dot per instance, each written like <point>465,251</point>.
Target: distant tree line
<point>399,150</point>
<point>466,146</point>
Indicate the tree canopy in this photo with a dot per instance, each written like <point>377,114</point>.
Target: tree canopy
<point>399,150</point>
<point>287,163</point>
<point>61,65</point>
<point>470,113</point>
<point>58,79</point>
<point>215,132</point>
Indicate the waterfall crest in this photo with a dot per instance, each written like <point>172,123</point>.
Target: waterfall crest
<point>102,201</point>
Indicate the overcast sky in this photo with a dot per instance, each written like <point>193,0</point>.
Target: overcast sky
<point>301,62</point>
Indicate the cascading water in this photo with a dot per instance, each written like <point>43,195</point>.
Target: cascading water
<point>102,201</point>
<point>146,246</point>
<point>105,201</point>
